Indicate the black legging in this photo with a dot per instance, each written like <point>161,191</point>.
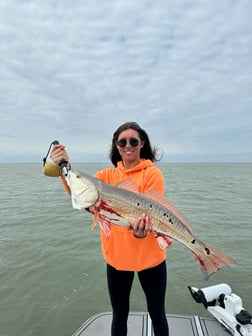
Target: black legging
<point>153,282</point>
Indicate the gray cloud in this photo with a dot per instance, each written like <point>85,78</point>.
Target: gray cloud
<point>76,70</point>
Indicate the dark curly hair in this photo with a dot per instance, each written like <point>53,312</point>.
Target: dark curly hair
<point>147,151</point>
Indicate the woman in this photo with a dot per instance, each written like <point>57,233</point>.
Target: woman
<point>137,250</point>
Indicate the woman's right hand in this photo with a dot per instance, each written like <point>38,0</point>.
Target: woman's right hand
<point>58,154</point>
<point>141,226</point>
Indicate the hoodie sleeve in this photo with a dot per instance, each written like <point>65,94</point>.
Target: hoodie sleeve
<point>105,175</point>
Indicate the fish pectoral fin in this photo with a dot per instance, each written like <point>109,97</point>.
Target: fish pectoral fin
<point>128,184</point>
<point>95,219</point>
<point>165,202</point>
<point>105,225</point>
<point>102,220</point>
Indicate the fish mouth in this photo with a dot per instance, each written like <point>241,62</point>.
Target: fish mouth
<point>81,192</point>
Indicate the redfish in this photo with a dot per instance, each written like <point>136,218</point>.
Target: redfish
<point>122,204</point>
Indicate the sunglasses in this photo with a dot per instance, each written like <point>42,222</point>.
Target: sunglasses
<point>123,142</point>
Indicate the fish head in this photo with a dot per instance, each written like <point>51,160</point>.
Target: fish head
<point>84,192</point>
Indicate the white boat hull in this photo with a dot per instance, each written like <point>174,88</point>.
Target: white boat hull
<point>139,324</point>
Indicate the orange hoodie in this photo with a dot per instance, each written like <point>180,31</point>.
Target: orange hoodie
<point>121,249</point>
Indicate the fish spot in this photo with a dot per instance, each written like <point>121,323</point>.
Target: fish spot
<point>171,221</point>
<point>138,204</point>
<point>207,250</point>
<point>193,241</point>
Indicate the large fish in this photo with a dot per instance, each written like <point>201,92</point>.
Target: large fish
<point>122,204</point>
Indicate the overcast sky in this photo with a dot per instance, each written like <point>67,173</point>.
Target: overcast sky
<point>75,70</point>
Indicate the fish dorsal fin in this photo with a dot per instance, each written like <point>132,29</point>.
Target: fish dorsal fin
<point>128,184</point>
<point>165,202</point>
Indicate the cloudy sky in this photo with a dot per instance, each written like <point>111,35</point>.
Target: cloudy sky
<point>75,70</point>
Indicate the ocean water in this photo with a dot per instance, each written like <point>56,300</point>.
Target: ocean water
<point>52,274</point>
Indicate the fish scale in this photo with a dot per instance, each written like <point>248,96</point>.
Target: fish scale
<point>153,210</point>
<point>122,204</point>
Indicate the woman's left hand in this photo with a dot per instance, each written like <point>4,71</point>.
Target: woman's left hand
<point>141,226</point>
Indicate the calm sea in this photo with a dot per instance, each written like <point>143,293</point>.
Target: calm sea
<point>52,274</point>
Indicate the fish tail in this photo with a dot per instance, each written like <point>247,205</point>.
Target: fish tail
<point>212,260</point>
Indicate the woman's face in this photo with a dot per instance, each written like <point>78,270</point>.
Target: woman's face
<point>129,145</point>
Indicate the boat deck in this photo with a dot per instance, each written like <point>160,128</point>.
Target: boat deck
<point>139,324</point>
